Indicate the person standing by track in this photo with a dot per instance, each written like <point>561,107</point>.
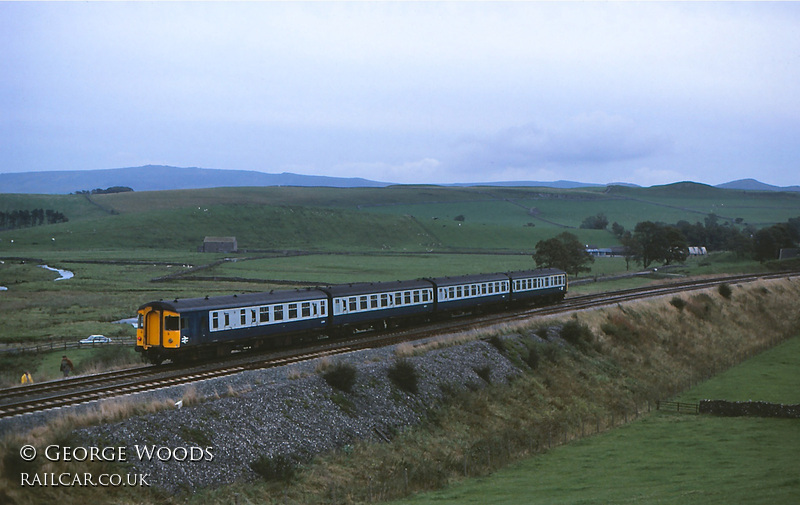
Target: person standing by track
<point>66,365</point>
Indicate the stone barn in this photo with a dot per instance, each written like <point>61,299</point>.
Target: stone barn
<point>220,245</point>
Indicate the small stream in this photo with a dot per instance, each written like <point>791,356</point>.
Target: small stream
<point>65,274</point>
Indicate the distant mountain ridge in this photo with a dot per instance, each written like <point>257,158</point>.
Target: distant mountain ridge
<point>161,177</point>
<point>754,185</point>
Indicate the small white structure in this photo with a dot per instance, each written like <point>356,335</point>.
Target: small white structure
<point>697,251</point>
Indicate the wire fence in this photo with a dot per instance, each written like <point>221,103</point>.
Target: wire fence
<point>63,345</point>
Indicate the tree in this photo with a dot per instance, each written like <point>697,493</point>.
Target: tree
<point>633,249</point>
<point>564,251</point>
<point>618,230</point>
<point>677,249</point>
<point>651,244</point>
<point>769,241</point>
<point>598,222</point>
<point>659,242</point>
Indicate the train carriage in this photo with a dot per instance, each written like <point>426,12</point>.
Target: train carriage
<point>462,293</point>
<point>192,326</point>
<point>195,327</point>
<point>362,305</point>
<point>543,285</point>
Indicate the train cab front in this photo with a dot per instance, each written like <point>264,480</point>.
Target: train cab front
<point>158,332</point>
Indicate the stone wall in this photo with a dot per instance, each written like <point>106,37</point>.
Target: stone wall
<point>755,409</point>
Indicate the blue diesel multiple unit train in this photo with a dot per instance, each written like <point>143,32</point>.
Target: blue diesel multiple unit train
<point>194,327</point>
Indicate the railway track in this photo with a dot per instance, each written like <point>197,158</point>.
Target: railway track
<point>39,397</point>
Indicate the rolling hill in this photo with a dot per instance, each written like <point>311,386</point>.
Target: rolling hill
<point>162,177</point>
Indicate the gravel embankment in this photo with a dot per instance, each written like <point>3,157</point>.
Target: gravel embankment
<point>289,411</point>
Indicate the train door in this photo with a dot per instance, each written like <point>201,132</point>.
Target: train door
<point>153,328</point>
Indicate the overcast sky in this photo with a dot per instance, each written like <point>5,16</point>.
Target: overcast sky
<point>648,93</point>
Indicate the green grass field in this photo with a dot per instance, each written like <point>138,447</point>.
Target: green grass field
<point>117,244</point>
<point>668,458</point>
<point>399,218</point>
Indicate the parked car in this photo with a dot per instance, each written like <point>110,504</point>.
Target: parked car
<point>96,339</point>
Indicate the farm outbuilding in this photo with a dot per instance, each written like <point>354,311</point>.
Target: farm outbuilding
<point>789,253</point>
<point>220,245</point>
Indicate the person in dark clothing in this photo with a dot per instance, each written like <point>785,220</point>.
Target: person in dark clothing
<point>66,365</point>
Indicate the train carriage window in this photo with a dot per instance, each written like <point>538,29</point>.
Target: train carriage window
<point>353,304</point>
<point>458,291</point>
<point>263,314</point>
<point>483,289</point>
<point>373,301</point>
<point>253,316</point>
<point>243,316</point>
<point>277,312</point>
<point>407,297</point>
<point>172,323</point>
<point>214,320</point>
<point>416,296</point>
<point>305,309</point>
<point>426,295</point>
<point>227,319</point>
<point>322,307</point>
<point>451,293</point>
<point>292,311</point>
<point>363,302</point>
<point>384,300</point>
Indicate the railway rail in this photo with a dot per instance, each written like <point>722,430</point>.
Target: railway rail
<point>43,396</point>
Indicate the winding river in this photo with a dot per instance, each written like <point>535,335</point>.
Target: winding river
<point>65,274</point>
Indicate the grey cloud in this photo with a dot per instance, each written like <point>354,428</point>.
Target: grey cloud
<point>587,139</point>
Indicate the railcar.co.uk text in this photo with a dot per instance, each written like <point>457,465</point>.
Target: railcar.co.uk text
<point>110,454</point>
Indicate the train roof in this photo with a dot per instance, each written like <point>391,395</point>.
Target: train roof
<point>524,274</point>
<point>364,288</point>
<point>468,279</point>
<point>237,300</point>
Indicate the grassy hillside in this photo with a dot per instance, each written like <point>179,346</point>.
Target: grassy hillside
<point>399,218</point>
<point>667,457</point>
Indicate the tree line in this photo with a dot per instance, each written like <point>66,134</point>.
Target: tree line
<point>26,218</point>
<point>108,191</point>
<point>655,242</point>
